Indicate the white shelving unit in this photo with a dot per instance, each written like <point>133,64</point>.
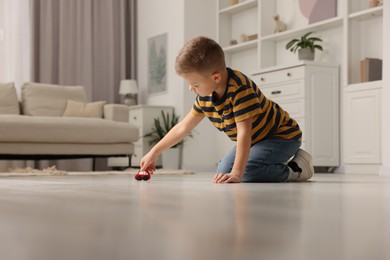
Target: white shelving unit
<point>352,35</point>
<point>230,19</point>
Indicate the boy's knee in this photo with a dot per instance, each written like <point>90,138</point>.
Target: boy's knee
<point>263,173</point>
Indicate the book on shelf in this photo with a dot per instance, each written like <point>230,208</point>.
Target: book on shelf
<point>370,69</point>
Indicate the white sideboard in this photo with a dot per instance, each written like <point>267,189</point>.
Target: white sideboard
<point>309,92</point>
<point>143,117</point>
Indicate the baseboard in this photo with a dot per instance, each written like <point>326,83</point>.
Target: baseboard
<point>384,171</point>
<point>362,168</point>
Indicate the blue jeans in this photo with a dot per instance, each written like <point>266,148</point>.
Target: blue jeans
<point>267,160</point>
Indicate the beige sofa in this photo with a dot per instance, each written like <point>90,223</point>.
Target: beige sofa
<point>55,122</point>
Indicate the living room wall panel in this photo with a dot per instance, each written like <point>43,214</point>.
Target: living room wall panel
<point>181,20</point>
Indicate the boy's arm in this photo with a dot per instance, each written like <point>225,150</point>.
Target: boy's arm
<point>244,137</point>
<point>174,136</point>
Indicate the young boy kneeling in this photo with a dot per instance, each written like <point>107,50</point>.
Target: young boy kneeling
<point>267,137</point>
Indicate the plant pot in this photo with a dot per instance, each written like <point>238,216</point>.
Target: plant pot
<point>305,54</point>
<point>171,159</point>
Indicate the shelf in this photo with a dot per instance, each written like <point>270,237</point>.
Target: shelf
<point>239,7</point>
<point>241,47</point>
<point>296,64</point>
<point>364,86</point>
<point>367,14</point>
<point>287,35</point>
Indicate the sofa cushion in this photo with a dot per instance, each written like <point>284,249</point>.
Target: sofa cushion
<point>73,130</point>
<point>49,100</point>
<point>9,103</point>
<point>79,109</point>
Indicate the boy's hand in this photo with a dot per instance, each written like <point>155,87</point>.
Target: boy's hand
<point>148,162</point>
<point>227,178</point>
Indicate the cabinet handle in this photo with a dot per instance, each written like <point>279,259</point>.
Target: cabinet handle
<point>135,118</point>
<point>262,79</point>
<point>288,74</point>
<point>276,92</point>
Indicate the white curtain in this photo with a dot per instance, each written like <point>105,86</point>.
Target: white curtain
<point>15,35</point>
<point>15,52</point>
<point>78,42</point>
<point>84,42</point>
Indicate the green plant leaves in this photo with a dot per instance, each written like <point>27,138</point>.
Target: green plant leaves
<point>162,125</point>
<point>304,42</point>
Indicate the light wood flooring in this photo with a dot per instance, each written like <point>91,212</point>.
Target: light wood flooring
<point>179,217</point>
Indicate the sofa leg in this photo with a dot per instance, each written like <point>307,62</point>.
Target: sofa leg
<point>129,160</point>
<point>93,164</point>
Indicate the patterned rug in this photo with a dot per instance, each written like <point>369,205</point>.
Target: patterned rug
<point>53,171</point>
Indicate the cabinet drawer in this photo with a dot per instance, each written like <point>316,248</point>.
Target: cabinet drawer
<point>279,76</point>
<point>135,117</point>
<point>295,108</point>
<point>288,90</point>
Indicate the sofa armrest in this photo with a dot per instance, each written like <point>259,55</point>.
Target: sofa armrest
<point>116,112</point>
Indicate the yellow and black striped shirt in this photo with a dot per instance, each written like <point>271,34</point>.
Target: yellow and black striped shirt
<point>243,100</point>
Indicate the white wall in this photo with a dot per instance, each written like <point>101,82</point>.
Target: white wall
<point>385,170</point>
<point>182,20</point>
<point>200,153</point>
<point>155,18</point>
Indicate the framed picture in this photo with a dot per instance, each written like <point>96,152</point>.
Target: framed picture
<point>157,64</point>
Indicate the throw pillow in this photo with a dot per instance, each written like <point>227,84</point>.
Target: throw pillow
<point>78,109</point>
<point>9,103</point>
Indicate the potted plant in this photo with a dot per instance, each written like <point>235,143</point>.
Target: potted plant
<point>162,125</point>
<point>305,45</point>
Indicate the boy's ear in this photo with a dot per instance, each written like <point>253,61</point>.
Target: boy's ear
<point>217,77</point>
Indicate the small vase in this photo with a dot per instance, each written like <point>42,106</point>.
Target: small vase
<point>305,54</point>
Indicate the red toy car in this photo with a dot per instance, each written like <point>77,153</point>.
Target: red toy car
<point>143,175</point>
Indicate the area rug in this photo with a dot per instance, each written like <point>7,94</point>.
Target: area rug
<point>53,171</point>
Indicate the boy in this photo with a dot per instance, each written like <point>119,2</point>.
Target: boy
<point>266,136</point>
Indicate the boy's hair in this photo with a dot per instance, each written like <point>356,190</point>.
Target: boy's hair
<point>201,55</point>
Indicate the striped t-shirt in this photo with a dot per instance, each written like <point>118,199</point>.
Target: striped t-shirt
<point>243,100</point>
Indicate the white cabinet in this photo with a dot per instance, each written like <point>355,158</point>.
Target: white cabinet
<point>309,92</point>
<point>143,117</point>
<point>362,124</point>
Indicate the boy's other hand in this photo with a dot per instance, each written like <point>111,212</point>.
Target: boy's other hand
<point>226,178</point>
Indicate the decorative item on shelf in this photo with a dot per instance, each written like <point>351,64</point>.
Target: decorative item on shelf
<point>162,125</point>
<point>252,37</point>
<point>318,10</point>
<point>370,69</point>
<point>233,2</point>
<point>129,90</point>
<point>233,42</point>
<point>243,37</point>
<point>305,45</point>
<point>279,25</point>
<point>373,3</point>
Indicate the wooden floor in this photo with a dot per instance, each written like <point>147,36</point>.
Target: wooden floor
<point>181,217</point>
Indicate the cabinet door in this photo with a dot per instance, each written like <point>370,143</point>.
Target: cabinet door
<point>322,115</point>
<point>362,127</point>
